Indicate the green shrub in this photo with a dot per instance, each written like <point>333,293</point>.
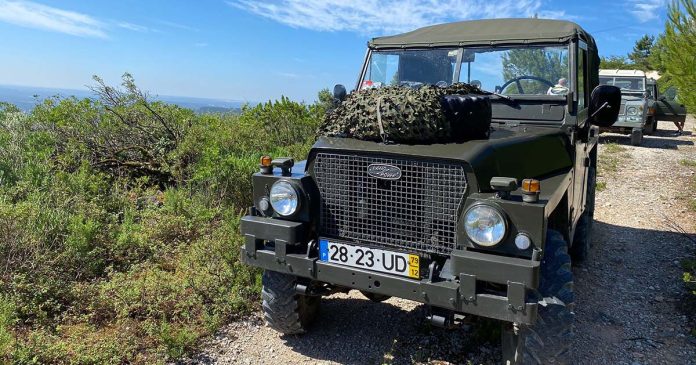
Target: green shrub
<point>7,318</point>
<point>119,223</point>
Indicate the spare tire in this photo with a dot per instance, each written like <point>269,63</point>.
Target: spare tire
<point>469,116</point>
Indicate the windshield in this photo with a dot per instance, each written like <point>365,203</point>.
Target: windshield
<point>409,68</point>
<point>524,70</point>
<point>625,83</point>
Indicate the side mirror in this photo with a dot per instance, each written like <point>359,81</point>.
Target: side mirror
<point>605,102</point>
<point>662,98</point>
<point>339,93</point>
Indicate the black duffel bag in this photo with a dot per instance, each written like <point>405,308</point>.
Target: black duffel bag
<point>469,116</point>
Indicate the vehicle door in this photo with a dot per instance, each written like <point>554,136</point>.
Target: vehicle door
<point>669,108</point>
<point>581,141</point>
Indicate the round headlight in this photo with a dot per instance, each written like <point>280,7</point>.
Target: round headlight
<point>484,225</point>
<point>631,110</point>
<point>284,198</point>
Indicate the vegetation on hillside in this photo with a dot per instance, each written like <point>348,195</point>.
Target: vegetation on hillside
<point>119,222</point>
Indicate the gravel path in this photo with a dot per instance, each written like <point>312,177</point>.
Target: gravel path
<point>628,295</point>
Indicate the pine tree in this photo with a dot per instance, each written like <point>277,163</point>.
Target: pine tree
<point>641,53</point>
<point>616,62</point>
<point>657,62</point>
<point>678,55</point>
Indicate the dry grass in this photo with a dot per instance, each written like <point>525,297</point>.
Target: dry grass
<point>610,158</point>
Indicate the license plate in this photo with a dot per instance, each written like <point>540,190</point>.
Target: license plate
<point>370,258</point>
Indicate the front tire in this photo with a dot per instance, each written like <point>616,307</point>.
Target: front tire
<point>284,309</point>
<point>548,341</point>
<point>650,127</point>
<point>636,137</point>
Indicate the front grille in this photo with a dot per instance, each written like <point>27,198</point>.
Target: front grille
<point>622,109</point>
<point>417,212</point>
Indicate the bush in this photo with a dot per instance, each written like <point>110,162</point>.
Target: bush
<point>119,234</point>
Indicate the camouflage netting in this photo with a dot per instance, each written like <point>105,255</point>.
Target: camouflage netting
<point>408,115</point>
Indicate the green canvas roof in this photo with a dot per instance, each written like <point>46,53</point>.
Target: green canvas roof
<point>486,32</point>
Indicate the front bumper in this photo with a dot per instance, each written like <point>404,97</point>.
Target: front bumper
<point>626,122</point>
<point>460,295</point>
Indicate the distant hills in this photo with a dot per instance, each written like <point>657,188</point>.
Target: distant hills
<point>26,97</point>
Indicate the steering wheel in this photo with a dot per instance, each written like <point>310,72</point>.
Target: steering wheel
<point>517,80</point>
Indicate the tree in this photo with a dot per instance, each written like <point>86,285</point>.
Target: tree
<point>615,62</point>
<point>657,61</point>
<point>678,50</point>
<point>641,53</point>
<point>325,100</point>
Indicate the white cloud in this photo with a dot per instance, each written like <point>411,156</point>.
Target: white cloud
<point>288,75</point>
<point>33,15</point>
<point>555,14</point>
<point>294,76</point>
<point>177,25</point>
<point>133,27</point>
<point>387,16</point>
<point>645,10</point>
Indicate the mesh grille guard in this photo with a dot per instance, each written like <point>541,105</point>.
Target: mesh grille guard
<point>418,211</point>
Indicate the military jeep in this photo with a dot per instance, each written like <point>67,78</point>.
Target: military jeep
<point>485,227</point>
<point>637,113</point>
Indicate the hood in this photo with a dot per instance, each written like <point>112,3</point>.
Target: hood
<point>520,152</point>
<point>630,97</point>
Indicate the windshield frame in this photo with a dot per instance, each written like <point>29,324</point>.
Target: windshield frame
<point>569,46</point>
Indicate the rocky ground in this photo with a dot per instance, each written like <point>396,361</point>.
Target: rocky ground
<point>630,305</point>
<point>630,301</point>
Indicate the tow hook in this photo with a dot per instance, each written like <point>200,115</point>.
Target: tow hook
<point>443,318</point>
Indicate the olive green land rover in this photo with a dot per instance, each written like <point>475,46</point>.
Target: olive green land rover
<point>642,104</point>
<point>474,227</point>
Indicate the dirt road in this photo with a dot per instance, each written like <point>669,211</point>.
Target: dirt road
<point>629,295</point>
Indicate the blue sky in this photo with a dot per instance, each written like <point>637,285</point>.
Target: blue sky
<point>255,50</point>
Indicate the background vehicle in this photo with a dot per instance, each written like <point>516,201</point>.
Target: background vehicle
<point>484,227</point>
<point>637,114</point>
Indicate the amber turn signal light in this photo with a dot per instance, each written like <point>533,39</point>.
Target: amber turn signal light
<point>265,167</point>
<point>531,186</point>
<point>530,190</point>
<point>266,161</point>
